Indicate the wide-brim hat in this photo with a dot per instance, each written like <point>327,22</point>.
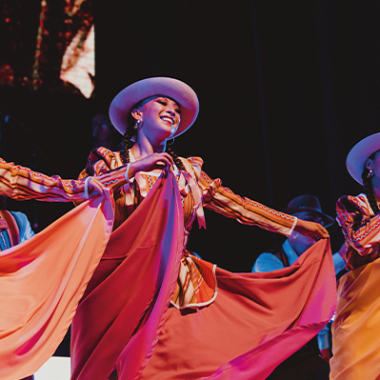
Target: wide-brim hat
<point>310,203</point>
<point>175,89</point>
<point>359,155</point>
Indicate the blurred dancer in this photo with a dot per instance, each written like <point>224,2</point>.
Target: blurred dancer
<point>356,343</point>
<point>103,133</point>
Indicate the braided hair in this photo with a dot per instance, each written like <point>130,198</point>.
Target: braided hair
<point>368,189</point>
<point>127,144</point>
<point>174,155</point>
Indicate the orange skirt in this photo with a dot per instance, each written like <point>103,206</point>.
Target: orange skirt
<point>356,341</point>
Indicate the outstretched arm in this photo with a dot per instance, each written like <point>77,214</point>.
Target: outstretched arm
<point>246,211</point>
<point>22,183</point>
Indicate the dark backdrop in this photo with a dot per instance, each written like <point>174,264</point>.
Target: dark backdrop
<point>286,88</point>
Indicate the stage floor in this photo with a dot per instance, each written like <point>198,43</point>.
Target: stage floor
<point>57,368</point>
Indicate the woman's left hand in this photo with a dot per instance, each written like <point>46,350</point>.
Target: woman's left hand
<point>311,229</point>
<point>94,187</point>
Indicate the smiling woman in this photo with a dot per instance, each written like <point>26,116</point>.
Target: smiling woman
<point>151,309</point>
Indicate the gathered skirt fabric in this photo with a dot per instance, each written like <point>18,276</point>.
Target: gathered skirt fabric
<point>356,343</point>
<point>256,321</point>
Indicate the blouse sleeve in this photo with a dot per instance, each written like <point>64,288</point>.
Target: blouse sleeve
<point>22,183</point>
<point>360,227</point>
<point>244,210</point>
<point>103,164</point>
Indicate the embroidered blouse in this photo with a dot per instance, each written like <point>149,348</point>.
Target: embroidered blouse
<point>212,194</point>
<point>361,229</point>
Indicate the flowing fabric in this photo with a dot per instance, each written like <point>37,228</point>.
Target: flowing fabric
<point>42,281</point>
<point>356,343</point>
<point>256,321</point>
<point>124,322</point>
<point>119,319</point>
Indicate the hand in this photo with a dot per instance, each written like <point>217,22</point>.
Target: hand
<point>311,229</point>
<point>151,162</point>
<point>95,188</point>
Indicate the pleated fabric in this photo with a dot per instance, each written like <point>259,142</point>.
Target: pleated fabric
<point>356,343</point>
<point>256,321</point>
<point>42,281</point>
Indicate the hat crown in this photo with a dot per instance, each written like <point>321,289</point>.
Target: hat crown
<point>359,154</point>
<point>305,203</point>
<point>175,89</point>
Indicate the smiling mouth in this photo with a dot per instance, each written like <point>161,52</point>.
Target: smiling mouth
<point>167,119</point>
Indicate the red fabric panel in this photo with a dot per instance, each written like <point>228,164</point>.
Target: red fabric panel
<point>256,321</point>
<point>120,316</point>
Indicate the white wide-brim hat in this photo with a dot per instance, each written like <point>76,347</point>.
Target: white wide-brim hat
<point>183,94</point>
<point>359,155</point>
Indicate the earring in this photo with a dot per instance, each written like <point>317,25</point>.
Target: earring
<point>137,125</point>
<point>370,173</point>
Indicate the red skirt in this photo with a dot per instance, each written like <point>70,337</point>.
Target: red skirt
<point>256,321</point>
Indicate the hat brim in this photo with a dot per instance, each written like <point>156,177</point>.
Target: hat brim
<point>359,155</point>
<point>175,89</point>
<point>327,219</point>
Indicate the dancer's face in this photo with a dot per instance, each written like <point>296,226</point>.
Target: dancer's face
<point>374,164</point>
<point>301,243</point>
<point>160,117</point>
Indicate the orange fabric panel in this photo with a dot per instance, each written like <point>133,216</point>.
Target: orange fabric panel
<point>42,281</point>
<point>356,343</point>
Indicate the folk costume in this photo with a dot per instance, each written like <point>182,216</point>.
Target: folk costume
<point>356,347</point>
<point>148,309</point>
<point>212,312</point>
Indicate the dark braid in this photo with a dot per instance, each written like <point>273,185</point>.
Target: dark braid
<point>368,190</point>
<point>176,159</point>
<point>127,143</point>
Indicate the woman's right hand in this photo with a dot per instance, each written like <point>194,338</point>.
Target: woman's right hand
<point>153,161</point>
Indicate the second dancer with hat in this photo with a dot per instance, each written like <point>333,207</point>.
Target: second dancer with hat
<point>356,345</point>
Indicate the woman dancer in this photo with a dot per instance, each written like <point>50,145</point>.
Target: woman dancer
<point>151,309</point>
<point>356,348</point>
